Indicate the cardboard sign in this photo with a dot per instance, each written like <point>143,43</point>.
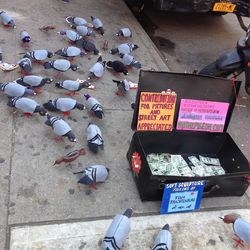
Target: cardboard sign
<point>200,115</point>
<point>182,197</point>
<point>156,111</point>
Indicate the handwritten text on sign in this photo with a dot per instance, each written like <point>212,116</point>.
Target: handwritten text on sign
<point>202,115</point>
<point>156,111</point>
<point>182,196</point>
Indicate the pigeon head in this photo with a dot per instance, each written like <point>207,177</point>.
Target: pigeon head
<point>29,92</point>
<point>125,72</point>
<point>101,30</point>
<point>87,96</point>
<point>83,53</point>
<point>80,106</point>
<point>48,80</point>
<point>41,111</point>
<point>62,32</point>
<point>92,18</point>
<point>119,33</point>
<point>136,46</point>
<point>104,63</point>
<point>166,227</point>
<point>74,67</point>
<point>71,136</point>
<point>128,213</point>
<point>58,85</point>
<point>50,54</point>
<point>26,39</point>
<point>109,63</point>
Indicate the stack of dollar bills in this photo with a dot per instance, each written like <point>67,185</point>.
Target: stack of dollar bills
<point>176,165</point>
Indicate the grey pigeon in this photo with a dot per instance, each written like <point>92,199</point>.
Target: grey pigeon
<point>76,21</point>
<point>125,32</point>
<point>94,106</point>
<point>94,138</point>
<point>61,65</point>
<point>14,89</point>
<point>28,106</point>
<point>93,175</point>
<point>34,81</point>
<point>25,65</point>
<point>84,31</point>
<point>71,35</point>
<point>25,37</point>
<point>97,70</point>
<point>117,66</point>
<point>129,60</point>
<point>98,25</point>
<point>87,45</point>
<point>60,127</point>
<point>70,52</point>
<point>63,104</point>
<point>123,87</point>
<point>124,48</point>
<point>163,240</point>
<point>7,20</point>
<point>71,85</point>
<point>118,231</point>
<point>38,55</point>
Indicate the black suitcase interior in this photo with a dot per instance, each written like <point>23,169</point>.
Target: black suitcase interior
<point>218,145</point>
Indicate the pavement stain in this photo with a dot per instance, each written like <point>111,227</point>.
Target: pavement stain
<point>2,160</point>
<point>82,246</point>
<point>211,242</point>
<point>27,192</point>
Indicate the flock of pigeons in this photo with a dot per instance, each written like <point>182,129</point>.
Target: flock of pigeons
<point>31,85</point>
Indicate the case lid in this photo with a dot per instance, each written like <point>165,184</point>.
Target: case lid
<point>214,96</point>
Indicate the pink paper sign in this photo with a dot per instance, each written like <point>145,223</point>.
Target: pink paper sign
<point>200,115</point>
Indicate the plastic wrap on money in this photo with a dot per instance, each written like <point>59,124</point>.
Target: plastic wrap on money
<point>175,165</point>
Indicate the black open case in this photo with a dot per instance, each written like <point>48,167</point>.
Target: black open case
<point>220,145</point>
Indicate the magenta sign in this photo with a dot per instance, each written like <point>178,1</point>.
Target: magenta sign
<point>198,115</point>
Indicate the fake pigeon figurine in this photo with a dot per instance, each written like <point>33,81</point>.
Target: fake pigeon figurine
<point>124,32</point>
<point>97,70</point>
<point>14,89</point>
<point>25,65</point>
<point>70,52</point>
<point>118,231</point>
<point>38,55</point>
<point>124,48</point>
<point>84,31</point>
<point>7,20</point>
<point>61,65</point>
<point>27,105</point>
<point>163,240</point>
<point>77,21</point>
<point>87,46</point>
<point>25,37</point>
<point>94,107</point>
<point>93,175</point>
<point>63,104</point>
<point>129,60</point>
<point>94,137</point>
<point>117,66</point>
<point>34,81</point>
<point>71,35</point>
<point>123,87</point>
<point>98,25</point>
<point>72,86</point>
<point>60,128</point>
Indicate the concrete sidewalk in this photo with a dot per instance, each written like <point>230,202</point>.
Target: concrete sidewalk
<point>190,231</point>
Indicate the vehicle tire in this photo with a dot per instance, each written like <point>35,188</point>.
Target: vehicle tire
<point>211,70</point>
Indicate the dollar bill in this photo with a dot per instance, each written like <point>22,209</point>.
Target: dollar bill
<point>210,160</point>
